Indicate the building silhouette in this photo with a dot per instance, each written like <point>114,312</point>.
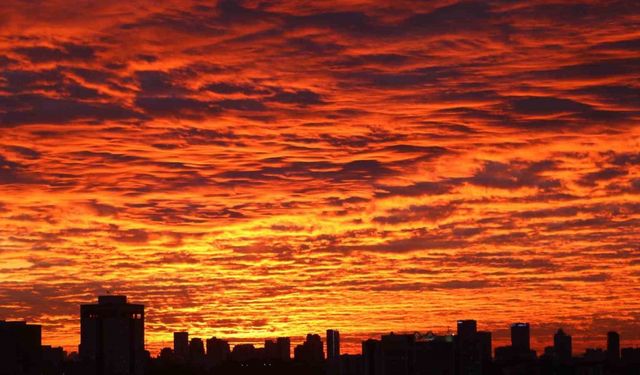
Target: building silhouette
<point>520,338</point>
<point>409,354</point>
<point>397,354</point>
<point>467,351</point>
<point>310,351</point>
<point>466,329</point>
<point>520,348</point>
<point>613,347</point>
<point>20,348</point>
<point>284,348</point>
<point>181,345</point>
<point>562,346</point>
<point>473,348</point>
<point>244,353</point>
<point>372,357</point>
<point>333,345</point>
<point>434,354</point>
<point>112,343</point>
<point>53,359</point>
<point>112,337</point>
<point>333,352</point>
<point>196,350</point>
<point>485,346</point>
<point>350,364</point>
<point>271,350</point>
<point>218,351</point>
<point>630,357</point>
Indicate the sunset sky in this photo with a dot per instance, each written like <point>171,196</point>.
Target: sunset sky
<point>253,169</point>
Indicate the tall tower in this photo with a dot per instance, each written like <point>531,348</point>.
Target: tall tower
<point>613,346</point>
<point>333,344</point>
<point>469,348</point>
<point>181,345</point>
<point>562,345</point>
<point>467,329</point>
<point>520,338</point>
<point>112,337</point>
<point>333,352</point>
<point>284,348</point>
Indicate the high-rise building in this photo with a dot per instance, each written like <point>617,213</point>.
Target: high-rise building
<point>630,356</point>
<point>372,357</point>
<point>217,351</point>
<point>181,345</point>
<point>270,350</point>
<point>434,354</point>
<point>562,346</point>
<point>333,344</point>
<point>310,351</point>
<point>520,338</point>
<point>333,352</point>
<point>20,348</point>
<point>350,364</point>
<point>196,350</point>
<point>284,348</point>
<point>112,337</point>
<point>244,353</point>
<point>53,359</point>
<point>485,345</point>
<point>398,354</point>
<point>467,329</point>
<point>613,346</point>
<point>467,351</point>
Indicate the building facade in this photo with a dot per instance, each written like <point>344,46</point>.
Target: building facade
<point>112,337</point>
<point>20,348</point>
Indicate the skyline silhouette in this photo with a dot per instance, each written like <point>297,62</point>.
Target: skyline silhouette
<point>113,343</point>
<point>520,332</point>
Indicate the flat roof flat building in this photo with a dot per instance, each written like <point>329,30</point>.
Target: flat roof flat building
<point>333,344</point>
<point>520,337</point>
<point>181,345</point>
<point>112,337</point>
<point>20,348</point>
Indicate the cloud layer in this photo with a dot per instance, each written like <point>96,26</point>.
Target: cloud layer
<point>249,169</point>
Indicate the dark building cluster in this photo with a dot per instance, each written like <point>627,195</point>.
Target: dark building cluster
<point>112,343</point>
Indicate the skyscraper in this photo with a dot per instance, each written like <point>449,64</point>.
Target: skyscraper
<point>218,351</point>
<point>613,346</point>
<point>333,344</point>
<point>372,357</point>
<point>485,345</point>
<point>520,338</point>
<point>333,352</point>
<point>196,350</point>
<point>271,350</point>
<point>20,348</point>
<point>112,337</point>
<point>468,359</point>
<point>244,353</point>
<point>181,345</point>
<point>467,329</point>
<point>562,345</point>
<point>398,352</point>
<point>310,351</point>
<point>284,348</point>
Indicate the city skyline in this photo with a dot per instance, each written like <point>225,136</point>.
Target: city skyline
<point>112,342</point>
<point>518,333</point>
<point>249,169</point>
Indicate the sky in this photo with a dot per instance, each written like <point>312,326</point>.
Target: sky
<point>254,169</point>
